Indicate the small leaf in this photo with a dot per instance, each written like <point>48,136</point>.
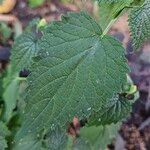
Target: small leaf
<point>139,21</point>
<point>25,47</point>
<point>77,73</point>
<point>3,130</point>
<point>55,140</point>
<point>10,96</point>
<point>5,32</point>
<point>1,85</point>
<point>3,133</point>
<point>97,138</point>
<point>110,11</point>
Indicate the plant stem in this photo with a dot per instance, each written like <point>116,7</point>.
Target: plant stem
<point>21,78</point>
<point>108,27</point>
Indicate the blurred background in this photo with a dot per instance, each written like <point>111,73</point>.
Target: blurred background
<point>16,14</point>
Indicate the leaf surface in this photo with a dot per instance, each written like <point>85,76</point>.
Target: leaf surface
<point>139,21</point>
<point>25,47</point>
<point>3,133</point>
<point>29,142</point>
<point>10,96</point>
<point>110,1</point>
<point>97,138</point>
<point>110,11</point>
<point>115,110</point>
<point>56,140</point>
<point>76,73</point>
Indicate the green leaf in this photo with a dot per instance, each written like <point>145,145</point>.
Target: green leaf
<point>91,138</point>
<point>139,21</point>
<point>118,108</point>
<point>35,3</point>
<point>3,130</point>
<point>56,140</point>
<point>97,138</point>
<point>5,32</point>
<point>110,11</point>
<point>76,73</point>
<point>3,133</point>
<point>3,143</point>
<point>1,85</point>
<point>115,110</point>
<point>10,96</point>
<point>30,142</point>
<point>25,47</point>
<point>110,1</point>
<point>82,144</point>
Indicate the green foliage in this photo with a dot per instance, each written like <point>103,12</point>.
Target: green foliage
<point>115,110</point>
<point>138,18</point>
<point>90,138</point>
<point>25,47</point>
<point>75,72</point>
<point>3,133</point>
<point>1,86</point>
<point>10,96</point>
<point>139,24</point>
<point>5,32</point>
<point>35,3</point>
<point>110,1</point>
<point>98,137</point>
<point>110,11</point>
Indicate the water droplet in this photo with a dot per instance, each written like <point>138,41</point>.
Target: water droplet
<point>89,109</point>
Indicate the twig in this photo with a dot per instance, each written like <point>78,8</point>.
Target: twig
<point>8,18</point>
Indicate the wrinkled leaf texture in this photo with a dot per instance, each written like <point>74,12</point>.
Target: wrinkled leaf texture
<point>76,73</point>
